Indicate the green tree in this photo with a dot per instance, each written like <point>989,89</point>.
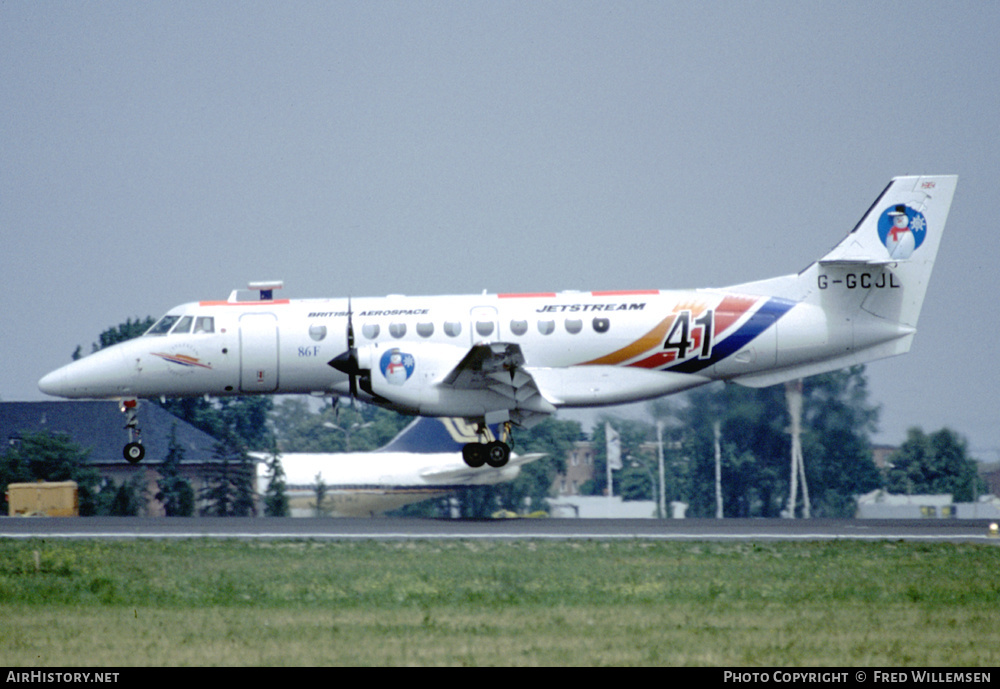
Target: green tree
<point>321,510</point>
<point>632,434</point>
<point>554,438</point>
<point>128,330</point>
<point>244,417</point>
<point>51,457</point>
<point>336,428</point>
<point>935,464</point>
<point>174,491</point>
<point>837,424</point>
<point>125,499</point>
<point>229,489</point>
<point>275,499</point>
<point>838,421</point>
<point>477,502</point>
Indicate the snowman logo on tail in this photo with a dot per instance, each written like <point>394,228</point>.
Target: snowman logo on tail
<point>902,230</point>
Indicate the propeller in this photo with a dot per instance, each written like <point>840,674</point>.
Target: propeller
<point>347,362</point>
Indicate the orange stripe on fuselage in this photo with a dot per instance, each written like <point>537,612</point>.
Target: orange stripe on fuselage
<point>651,339</point>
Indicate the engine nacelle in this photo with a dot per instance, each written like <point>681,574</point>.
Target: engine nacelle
<point>409,376</point>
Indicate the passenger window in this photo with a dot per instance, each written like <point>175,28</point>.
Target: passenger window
<point>425,329</point>
<point>183,327</point>
<point>370,330</point>
<point>204,324</point>
<point>546,327</point>
<point>519,327</point>
<point>484,328</point>
<point>601,325</point>
<point>162,326</point>
<point>452,329</point>
<point>397,330</point>
<point>317,332</point>
<point>574,325</point>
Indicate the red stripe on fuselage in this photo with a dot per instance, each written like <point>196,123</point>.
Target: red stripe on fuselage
<point>625,292</point>
<point>731,309</point>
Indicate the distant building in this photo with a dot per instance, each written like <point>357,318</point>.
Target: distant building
<point>879,504</point>
<point>990,472</point>
<point>601,507</point>
<point>98,428</point>
<point>579,469</point>
<point>881,454</point>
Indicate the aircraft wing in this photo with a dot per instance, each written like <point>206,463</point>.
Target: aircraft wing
<point>499,368</point>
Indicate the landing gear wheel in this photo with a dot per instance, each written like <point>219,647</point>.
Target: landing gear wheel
<point>474,454</point>
<point>134,452</point>
<point>497,454</point>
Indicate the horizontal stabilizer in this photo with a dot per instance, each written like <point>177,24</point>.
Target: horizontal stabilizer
<point>454,474</point>
<point>846,262</point>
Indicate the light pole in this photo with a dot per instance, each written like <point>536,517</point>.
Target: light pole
<point>347,431</point>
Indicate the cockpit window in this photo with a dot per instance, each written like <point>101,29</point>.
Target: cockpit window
<point>183,327</point>
<point>205,324</point>
<point>162,326</point>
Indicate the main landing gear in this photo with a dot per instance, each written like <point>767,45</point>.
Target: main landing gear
<point>495,453</point>
<point>133,451</point>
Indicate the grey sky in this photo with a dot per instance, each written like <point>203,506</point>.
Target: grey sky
<point>158,153</point>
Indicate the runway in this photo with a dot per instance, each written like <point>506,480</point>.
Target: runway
<point>946,530</point>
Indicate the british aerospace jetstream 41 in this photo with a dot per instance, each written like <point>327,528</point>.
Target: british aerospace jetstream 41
<point>513,359</point>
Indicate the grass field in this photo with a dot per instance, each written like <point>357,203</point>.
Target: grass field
<point>300,602</point>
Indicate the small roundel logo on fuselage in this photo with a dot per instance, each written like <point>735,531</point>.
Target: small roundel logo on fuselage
<point>397,366</point>
<point>902,230</point>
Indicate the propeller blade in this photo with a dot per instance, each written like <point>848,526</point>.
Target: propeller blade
<point>350,326</point>
<point>347,362</point>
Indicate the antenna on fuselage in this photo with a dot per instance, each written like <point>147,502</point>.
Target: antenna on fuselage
<point>266,288</point>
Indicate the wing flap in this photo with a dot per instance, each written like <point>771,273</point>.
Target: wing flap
<point>498,367</point>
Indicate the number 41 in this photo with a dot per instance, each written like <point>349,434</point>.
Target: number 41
<point>679,338</point>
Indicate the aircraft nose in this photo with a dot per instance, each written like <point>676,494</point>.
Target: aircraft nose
<point>102,374</point>
<point>53,383</point>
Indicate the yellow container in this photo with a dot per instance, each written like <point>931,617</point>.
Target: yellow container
<point>58,499</point>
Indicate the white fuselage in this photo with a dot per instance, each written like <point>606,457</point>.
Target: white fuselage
<point>583,348</point>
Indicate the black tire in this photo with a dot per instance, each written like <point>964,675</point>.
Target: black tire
<point>497,454</point>
<point>474,454</point>
<point>134,452</point>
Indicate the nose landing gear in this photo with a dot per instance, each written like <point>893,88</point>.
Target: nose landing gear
<point>133,450</point>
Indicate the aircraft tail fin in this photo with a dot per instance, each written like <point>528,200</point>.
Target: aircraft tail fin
<point>890,254</point>
<point>884,265</point>
<point>429,435</point>
<point>868,291</point>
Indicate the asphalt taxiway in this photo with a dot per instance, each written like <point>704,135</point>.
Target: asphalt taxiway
<point>553,529</point>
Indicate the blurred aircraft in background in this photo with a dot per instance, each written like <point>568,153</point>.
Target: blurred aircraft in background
<point>424,461</point>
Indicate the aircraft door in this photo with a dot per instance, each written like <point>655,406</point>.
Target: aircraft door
<point>258,352</point>
<point>485,324</point>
